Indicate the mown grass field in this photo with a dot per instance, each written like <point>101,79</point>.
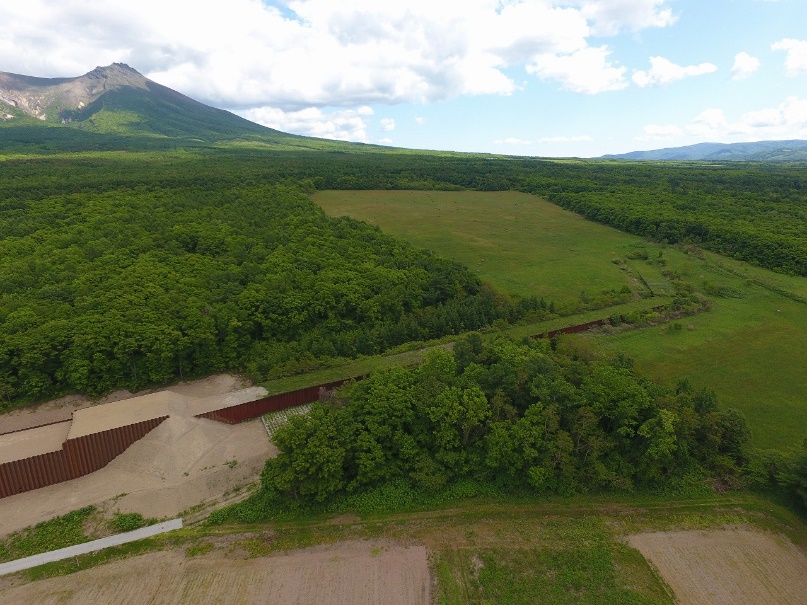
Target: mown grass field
<point>750,347</point>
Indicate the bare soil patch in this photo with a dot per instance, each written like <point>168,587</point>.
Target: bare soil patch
<point>727,567</point>
<point>181,464</point>
<point>349,573</point>
<point>62,408</point>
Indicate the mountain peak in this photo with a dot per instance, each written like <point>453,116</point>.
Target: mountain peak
<point>51,99</point>
<point>119,100</point>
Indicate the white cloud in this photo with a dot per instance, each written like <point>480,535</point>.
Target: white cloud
<point>587,70</point>
<point>788,120</point>
<point>342,125</point>
<point>512,141</point>
<point>387,124</point>
<point>664,71</point>
<point>421,121</point>
<point>577,139</point>
<point>796,59</point>
<point>609,17</point>
<point>319,53</point>
<point>709,123</point>
<point>659,132</point>
<point>744,65</point>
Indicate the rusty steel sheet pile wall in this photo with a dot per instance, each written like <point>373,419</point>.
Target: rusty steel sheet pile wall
<point>78,457</point>
<point>32,473</point>
<point>597,323</point>
<point>91,452</point>
<point>273,403</point>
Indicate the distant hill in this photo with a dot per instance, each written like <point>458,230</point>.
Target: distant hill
<point>126,108</point>
<point>762,151</point>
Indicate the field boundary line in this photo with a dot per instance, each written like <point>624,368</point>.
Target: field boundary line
<point>88,547</point>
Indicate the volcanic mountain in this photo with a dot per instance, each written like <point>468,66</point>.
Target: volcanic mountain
<point>118,100</point>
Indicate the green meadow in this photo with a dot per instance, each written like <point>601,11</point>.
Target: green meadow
<point>521,244</point>
<point>749,347</point>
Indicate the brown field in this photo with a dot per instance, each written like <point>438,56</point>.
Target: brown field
<point>727,567</point>
<point>349,573</point>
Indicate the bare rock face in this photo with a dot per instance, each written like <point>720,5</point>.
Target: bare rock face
<point>56,98</point>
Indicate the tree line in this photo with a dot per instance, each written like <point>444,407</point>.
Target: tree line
<point>515,414</point>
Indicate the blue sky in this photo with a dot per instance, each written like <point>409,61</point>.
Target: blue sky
<point>523,77</point>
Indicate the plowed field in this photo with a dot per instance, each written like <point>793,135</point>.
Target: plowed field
<point>727,567</point>
<point>352,573</point>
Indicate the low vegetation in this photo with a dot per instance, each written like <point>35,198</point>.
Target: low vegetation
<point>59,532</point>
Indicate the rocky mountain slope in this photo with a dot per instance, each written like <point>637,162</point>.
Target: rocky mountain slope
<point>116,100</point>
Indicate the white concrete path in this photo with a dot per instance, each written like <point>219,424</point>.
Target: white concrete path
<point>86,547</point>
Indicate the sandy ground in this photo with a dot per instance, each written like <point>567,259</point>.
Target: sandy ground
<point>183,462</point>
<point>727,567</point>
<point>63,408</point>
<point>23,444</point>
<point>349,573</point>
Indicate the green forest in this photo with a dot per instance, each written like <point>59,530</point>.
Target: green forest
<point>514,414</point>
<point>136,286</point>
<point>126,269</point>
<point>122,270</point>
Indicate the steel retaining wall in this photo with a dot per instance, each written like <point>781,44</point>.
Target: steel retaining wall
<point>91,452</point>
<point>78,457</point>
<point>273,403</point>
<point>597,323</point>
<point>32,473</point>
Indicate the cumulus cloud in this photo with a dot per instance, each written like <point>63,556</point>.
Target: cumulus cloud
<point>659,132</point>
<point>744,65</point>
<point>342,125</point>
<point>610,17</point>
<point>788,120</point>
<point>587,70</point>
<point>709,123</point>
<point>664,71</point>
<point>387,124</point>
<point>320,53</point>
<point>796,58</point>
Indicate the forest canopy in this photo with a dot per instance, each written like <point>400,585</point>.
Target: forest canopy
<point>125,269</point>
<point>519,415</point>
<point>133,286</point>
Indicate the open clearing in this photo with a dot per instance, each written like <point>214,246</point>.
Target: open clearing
<point>516,241</point>
<point>727,567</point>
<point>351,573</point>
<point>526,245</point>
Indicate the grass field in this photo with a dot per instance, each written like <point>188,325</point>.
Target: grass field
<point>750,347</point>
<point>518,242</point>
